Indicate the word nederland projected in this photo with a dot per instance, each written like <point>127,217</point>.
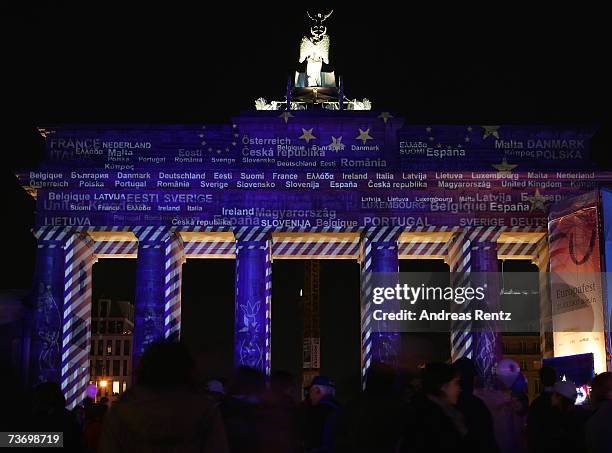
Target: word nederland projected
<point>356,180</point>
<point>340,170</point>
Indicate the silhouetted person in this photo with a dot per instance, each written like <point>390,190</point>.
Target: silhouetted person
<point>215,390</point>
<point>162,411</point>
<point>241,410</point>
<point>433,421</point>
<point>540,410</point>
<point>79,416</point>
<point>16,410</point>
<point>282,384</point>
<point>373,421</point>
<point>563,428</point>
<point>519,392</point>
<point>49,414</point>
<point>480,436</point>
<point>318,418</point>
<point>279,412</point>
<point>94,420</point>
<point>597,429</point>
<point>508,406</point>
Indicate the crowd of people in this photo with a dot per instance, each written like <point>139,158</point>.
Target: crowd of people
<point>441,408</point>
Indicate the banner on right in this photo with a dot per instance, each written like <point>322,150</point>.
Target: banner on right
<point>577,288</point>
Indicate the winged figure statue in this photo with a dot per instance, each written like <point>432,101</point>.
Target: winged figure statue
<point>315,52</point>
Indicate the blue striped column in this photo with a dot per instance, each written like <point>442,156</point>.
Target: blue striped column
<point>487,339</point>
<point>471,253</point>
<point>460,263</point>
<point>174,257</point>
<point>379,253</point>
<point>47,304</point>
<point>79,259</point>
<point>542,260</point>
<point>157,301</point>
<point>252,322</point>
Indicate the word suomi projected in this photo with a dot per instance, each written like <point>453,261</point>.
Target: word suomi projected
<point>352,170</point>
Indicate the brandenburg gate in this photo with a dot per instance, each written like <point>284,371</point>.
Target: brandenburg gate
<point>316,176</point>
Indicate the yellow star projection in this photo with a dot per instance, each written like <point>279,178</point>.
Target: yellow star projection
<point>537,201</point>
<point>336,144</point>
<point>364,136</point>
<point>504,166</point>
<point>385,116</point>
<point>285,115</point>
<point>490,130</point>
<point>307,135</point>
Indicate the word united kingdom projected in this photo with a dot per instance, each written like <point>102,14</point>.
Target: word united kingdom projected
<point>309,169</point>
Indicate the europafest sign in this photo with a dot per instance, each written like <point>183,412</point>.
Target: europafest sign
<point>577,291</point>
<point>309,170</point>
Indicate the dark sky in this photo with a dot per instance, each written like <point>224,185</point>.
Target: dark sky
<point>157,62</point>
<point>150,62</point>
<point>108,62</point>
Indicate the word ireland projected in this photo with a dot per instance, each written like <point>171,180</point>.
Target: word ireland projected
<point>313,169</point>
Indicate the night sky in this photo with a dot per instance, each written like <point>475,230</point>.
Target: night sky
<point>158,63</point>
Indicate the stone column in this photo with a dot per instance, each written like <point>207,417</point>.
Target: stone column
<point>379,253</point>
<point>460,265</point>
<point>471,253</point>
<point>174,257</point>
<point>542,260</point>
<point>157,302</point>
<point>47,306</point>
<point>487,338</point>
<point>76,331</point>
<point>252,322</point>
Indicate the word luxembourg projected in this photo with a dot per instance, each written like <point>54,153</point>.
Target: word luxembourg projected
<point>204,176</point>
<point>412,294</point>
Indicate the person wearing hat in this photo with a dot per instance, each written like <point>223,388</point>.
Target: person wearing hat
<point>540,408</point>
<point>562,429</point>
<point>319,417</point>
<point>433,423</point>
<point>507,406</point>
<point>481,435</point>
<point>374,420</point>
<point>597,428</point>
<point>564,395</point>
<point>214,390</point>
<point>322,387</point>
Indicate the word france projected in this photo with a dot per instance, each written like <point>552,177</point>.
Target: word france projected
<point>313,169</point>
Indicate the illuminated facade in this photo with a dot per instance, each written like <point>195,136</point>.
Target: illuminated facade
<point>318,183</point>
<point>112,324</point>
<point>525,350</point>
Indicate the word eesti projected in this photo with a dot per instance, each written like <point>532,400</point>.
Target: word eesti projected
<point>308,143</point>
<point>309,180</point>
<point>309,170</point>
<point>357,142</point>
<point>294,209</point>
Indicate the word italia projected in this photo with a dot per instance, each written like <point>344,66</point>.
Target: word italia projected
<point>309,170</point>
